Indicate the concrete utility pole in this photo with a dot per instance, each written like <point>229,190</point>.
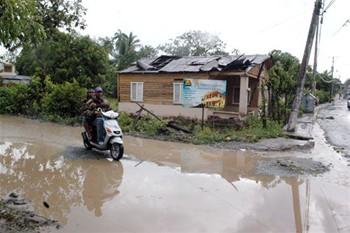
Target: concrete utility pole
<point>332,72</point>
<point>314,70</point>
<point>302,73</point>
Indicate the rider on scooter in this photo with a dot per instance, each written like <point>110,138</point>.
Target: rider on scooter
<point>99,103</point>
<point>87,112</point>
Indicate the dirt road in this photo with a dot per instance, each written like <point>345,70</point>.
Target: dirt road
<point>170,187</point>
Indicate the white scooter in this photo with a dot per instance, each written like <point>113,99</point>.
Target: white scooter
<point>113,140</point>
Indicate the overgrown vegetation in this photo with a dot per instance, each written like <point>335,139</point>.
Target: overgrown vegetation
<point>252,132</point>
<point>282,83</point>
<point>150,127</point>
<point>43,99</point>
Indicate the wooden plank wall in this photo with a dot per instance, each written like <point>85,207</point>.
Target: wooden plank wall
<point>157,88</point>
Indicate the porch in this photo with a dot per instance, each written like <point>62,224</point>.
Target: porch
<point>242,96</point>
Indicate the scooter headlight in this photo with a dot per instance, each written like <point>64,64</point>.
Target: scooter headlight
<point>117,132</point>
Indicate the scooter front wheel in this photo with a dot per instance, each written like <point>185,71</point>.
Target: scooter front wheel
<point>116,151</point>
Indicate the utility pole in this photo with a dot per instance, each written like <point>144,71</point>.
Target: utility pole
<point>314,73</point>
<point>332,72</point>
<point>302,73</point>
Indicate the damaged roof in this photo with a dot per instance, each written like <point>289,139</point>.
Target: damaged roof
<point>175,64</point>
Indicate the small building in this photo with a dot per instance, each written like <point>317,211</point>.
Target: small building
<point>157,84</point>
<point>8,75</point>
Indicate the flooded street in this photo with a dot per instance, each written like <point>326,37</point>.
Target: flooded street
<point>168,187</point>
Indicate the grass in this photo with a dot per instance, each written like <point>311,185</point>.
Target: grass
<point>150,127</point>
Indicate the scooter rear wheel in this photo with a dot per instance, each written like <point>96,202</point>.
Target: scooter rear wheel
<point>116,151</point>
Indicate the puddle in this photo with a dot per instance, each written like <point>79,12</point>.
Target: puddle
<point>162,186</point>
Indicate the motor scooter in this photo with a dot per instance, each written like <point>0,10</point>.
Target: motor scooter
<point>113,140</point>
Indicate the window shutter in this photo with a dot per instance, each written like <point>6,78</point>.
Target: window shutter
<point>133,94</point>
<point>177,93</point>
<point>139,91</point>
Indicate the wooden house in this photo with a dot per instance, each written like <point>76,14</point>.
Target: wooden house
<point>157,84</point>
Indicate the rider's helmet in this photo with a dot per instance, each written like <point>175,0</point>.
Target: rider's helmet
<point>98,90</point>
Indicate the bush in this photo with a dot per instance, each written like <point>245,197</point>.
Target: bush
<point>146,124</point>
<point>64,100</point>
<point>323,96</point>
<point>54,102</point>
<point>14,99</point>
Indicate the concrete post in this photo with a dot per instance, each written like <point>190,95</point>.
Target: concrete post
<point>243,95</point>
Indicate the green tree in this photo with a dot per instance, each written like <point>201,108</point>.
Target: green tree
<point>281,84</point>
<point>147,51</point>
<point>194,43</point>
<point>66,58</point>
<point>61,14</point>
<point>125,46</point>
<point>19,23</point>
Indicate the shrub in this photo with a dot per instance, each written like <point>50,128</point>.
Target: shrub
<point>323,96</point>
<point>14,99</point>
<point>64,100</point>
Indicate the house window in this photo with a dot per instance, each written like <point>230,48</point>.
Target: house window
<point>177,92</point>
<point>235,95</point>
<point>136,91</point>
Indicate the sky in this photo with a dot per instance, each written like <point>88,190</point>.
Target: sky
<point>251,26</point>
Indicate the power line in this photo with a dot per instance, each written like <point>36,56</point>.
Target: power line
<point>328,6</point>
<point>343,26</point>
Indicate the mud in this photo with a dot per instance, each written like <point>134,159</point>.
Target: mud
<point>274,144</point>
<point>16,215</point>
<point>167,187</point>
<point>291,166</point>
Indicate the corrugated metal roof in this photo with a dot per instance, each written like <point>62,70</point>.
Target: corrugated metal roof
<point>174,64</point>
<point>14,77</point>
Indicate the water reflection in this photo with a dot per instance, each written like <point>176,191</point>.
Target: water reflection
<point>41,173</point>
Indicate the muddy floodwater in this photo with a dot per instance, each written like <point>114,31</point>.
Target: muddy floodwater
<point>167,187</point>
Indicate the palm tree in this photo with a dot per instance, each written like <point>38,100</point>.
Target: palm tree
<point>125,48</point>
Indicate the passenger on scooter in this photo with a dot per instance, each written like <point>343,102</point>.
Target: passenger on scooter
<point>87,112</point>
<point>100,103</point>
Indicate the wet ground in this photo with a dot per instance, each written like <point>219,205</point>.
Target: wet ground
<point>171,187</point>
<point>335,120</point>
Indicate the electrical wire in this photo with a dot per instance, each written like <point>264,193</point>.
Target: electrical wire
<point>328,6</point>
<point>343,26</point>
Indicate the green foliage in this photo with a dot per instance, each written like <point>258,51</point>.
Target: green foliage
<point>194,43</point>
<point>323,96</point>
<point>27,22</point>
<point>19,23</point>
<point>61,14</point>
<point>253,132</point>
<point>146,125</point>
<point>207,135</point>
<point>44,99</point>
<point>282,84</point>
<point>64,100</point>
<point>65,58</point>
<point>14,99</point>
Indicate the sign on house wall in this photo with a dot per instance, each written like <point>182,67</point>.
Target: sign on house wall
<point>212,93</point>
